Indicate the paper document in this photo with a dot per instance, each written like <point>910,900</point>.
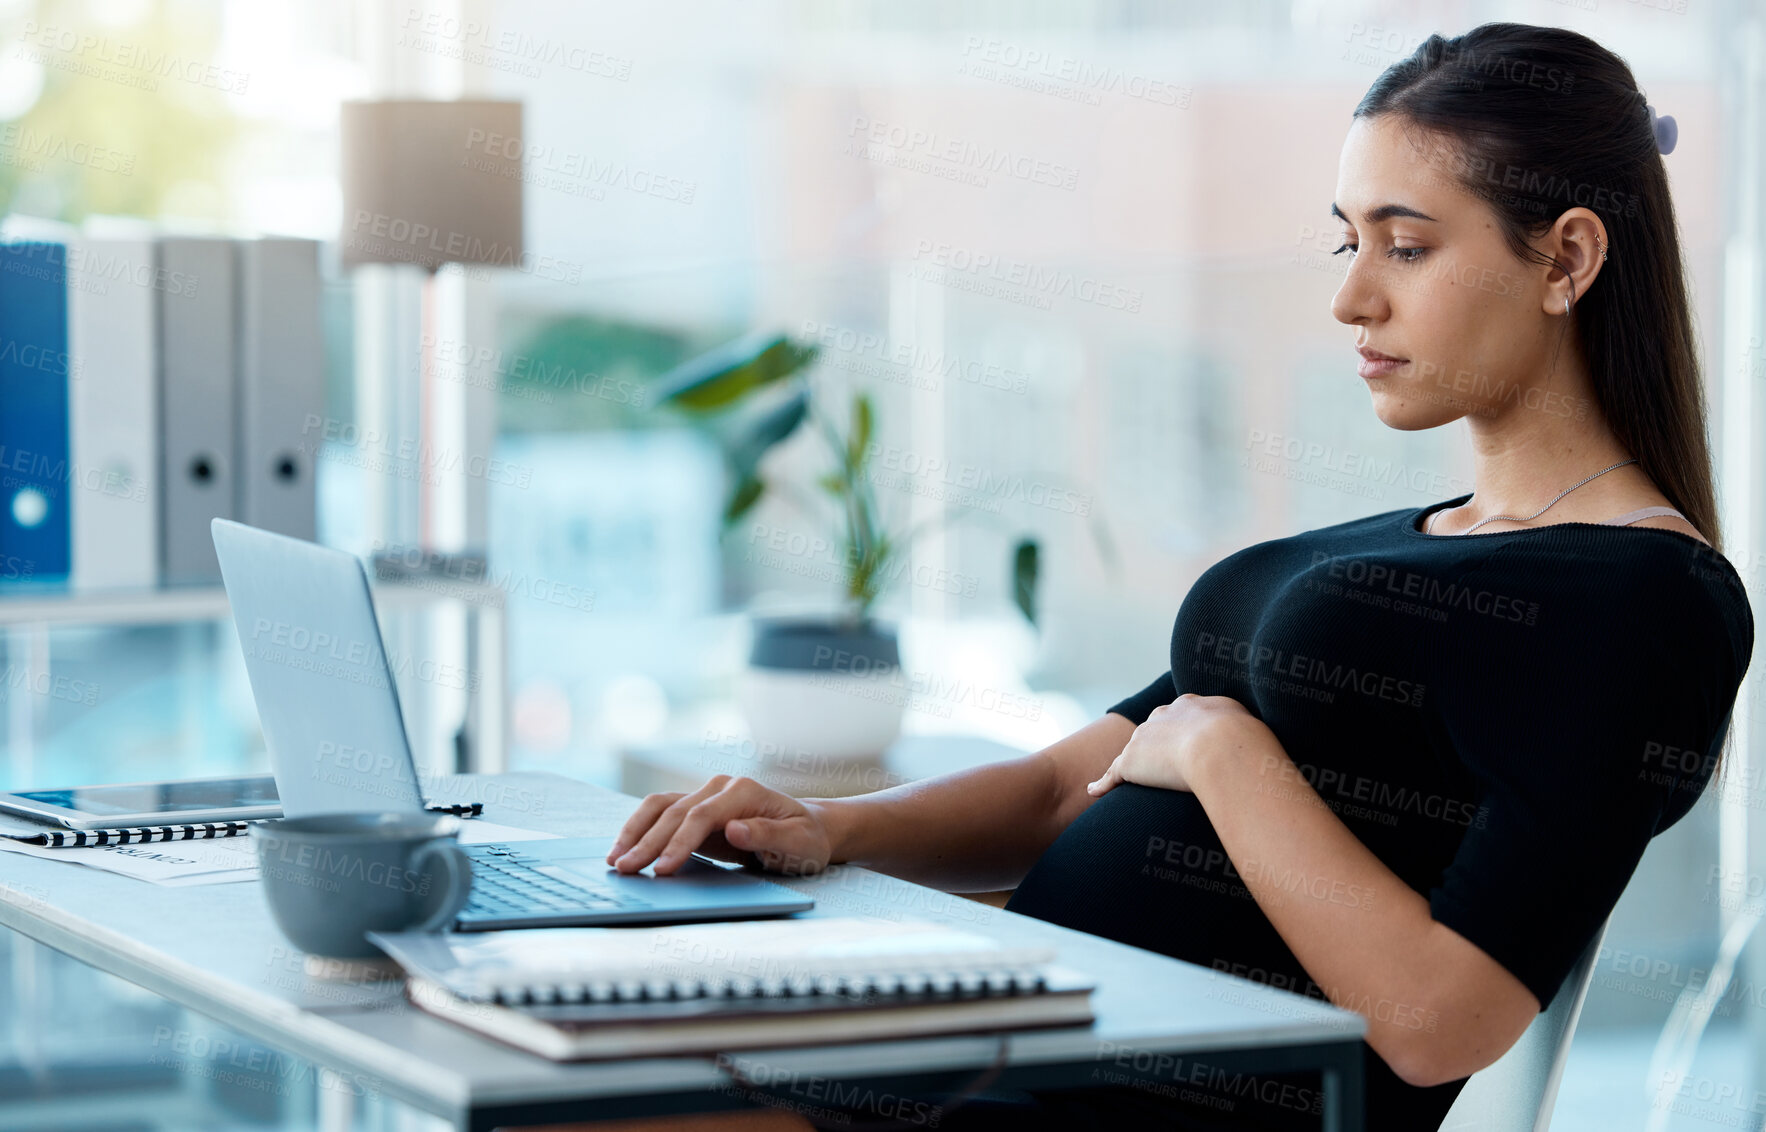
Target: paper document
<point>223,860</point>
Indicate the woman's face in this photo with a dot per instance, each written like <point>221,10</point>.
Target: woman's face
<point>1431,282</point>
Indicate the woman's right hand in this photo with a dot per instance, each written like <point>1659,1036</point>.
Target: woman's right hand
<point>732,819</point>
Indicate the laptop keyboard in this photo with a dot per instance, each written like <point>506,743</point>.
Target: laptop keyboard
<point>506,883</point>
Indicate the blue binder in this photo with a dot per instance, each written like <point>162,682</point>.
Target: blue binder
<point>35,477</point>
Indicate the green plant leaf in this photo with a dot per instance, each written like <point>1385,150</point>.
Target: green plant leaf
<point>858,441</point>
<point>747,493</point>
<point>865,583</point>
<point>772,427</point>
<point>721,377</point>
<point>1025,567</point>
<point>861,523</point>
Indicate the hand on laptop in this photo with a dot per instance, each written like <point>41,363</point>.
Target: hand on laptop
<point>731,819</point>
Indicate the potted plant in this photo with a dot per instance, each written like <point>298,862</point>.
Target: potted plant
<point>827,686</point>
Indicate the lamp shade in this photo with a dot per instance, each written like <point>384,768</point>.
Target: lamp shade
<point>431,182</point>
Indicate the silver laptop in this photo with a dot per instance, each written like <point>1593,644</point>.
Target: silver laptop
<point>330,713</point>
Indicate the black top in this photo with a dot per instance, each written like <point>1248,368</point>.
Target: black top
<point>1505,719</point>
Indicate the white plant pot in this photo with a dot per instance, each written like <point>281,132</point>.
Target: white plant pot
<point>822,690</point>
<point>820,715</point>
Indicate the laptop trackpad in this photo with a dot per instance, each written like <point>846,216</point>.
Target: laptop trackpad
<point>595,875</point>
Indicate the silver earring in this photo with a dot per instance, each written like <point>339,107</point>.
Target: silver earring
<point>1603,248</point>
<point>1566,306</point>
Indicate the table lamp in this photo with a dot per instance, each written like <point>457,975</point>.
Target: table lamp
<point>428,183</point>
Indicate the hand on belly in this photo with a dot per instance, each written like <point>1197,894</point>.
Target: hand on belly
<point>1143,866</point>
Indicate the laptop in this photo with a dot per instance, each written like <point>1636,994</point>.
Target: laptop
<point>330,711</point>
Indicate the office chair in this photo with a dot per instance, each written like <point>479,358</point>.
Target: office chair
<point>1519,1090</point>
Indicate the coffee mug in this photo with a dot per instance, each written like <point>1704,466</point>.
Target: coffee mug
<point>332,878</point>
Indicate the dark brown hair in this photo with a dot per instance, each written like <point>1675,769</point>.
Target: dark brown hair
<point>1541,120</point>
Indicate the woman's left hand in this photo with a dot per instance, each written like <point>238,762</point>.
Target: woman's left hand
<point>1162,751</point>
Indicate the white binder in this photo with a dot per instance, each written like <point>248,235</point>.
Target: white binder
<point>281,384</point>
<point>113,412</point>
<point>196,327</point>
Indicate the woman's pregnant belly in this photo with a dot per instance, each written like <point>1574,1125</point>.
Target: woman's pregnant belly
<point>1143,866</point>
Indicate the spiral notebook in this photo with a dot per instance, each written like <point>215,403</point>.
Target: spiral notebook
<point>590,993</point>
<point>145,834</point>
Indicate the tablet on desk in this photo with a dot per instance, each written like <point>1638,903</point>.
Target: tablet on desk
<point>150,803</point>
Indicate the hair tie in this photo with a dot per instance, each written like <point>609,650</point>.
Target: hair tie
<point>1665,131</point>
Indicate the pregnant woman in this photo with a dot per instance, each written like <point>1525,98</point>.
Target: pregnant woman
<point>1406,763</point>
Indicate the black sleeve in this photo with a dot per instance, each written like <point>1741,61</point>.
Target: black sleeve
<point>1140,705</point>
<point>1565,725</point>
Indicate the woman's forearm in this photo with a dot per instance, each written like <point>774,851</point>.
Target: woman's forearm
<point>1437,1007</point>
<point>975,830</point>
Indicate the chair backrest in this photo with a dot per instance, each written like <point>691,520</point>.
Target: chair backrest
<point>1519,1090</point>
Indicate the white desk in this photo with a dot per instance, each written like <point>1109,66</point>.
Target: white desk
<point>215,950</point>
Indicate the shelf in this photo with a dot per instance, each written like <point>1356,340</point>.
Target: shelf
<point>27,611</point>
<point>43,604</point>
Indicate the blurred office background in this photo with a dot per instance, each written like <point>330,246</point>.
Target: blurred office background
<point>1116,341</point>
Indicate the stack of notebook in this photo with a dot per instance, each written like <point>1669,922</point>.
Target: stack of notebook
<point>590,993</point>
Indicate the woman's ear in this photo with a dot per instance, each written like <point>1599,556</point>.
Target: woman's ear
<point>1575,243</point>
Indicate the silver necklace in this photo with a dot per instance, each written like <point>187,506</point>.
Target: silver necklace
<point>1518,519</point>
